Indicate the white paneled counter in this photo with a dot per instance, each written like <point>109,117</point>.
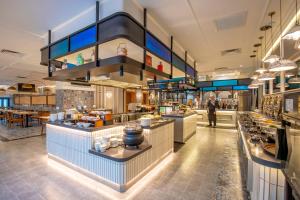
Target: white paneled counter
<point>225,118</point>
<point>185,126</point>
<point>264,177</point>
<point>71,146</point>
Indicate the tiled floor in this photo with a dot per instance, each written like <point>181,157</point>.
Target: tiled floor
<point>206,167</point>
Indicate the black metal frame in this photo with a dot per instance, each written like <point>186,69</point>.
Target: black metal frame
<point>97,60</point>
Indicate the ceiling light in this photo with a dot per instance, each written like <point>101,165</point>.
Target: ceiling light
<point>282,65</point>
<point>252,86</point>
<point>285,85</point>
<point>11,88</point>
<point>254,76</point>
<point>289,74</point>
<point>257,82</point>
<point>295,80</point>
<point>266,76</point>
<point>297,44</point>
<point>261,70</point>
<point>271,59</point>
<point>293,34</point>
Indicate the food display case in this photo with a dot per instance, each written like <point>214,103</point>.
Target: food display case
<point>272,106</point>
<point>292,167</point>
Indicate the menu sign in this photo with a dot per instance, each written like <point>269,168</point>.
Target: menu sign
<point>289,105</point>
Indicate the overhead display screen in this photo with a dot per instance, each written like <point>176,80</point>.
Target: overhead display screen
<point>157,48</point>
<point>59,49</point>
<point>224,88</point>
<point>190,71</point>
<point>225,83</point>
<point>83,38</point>
<point>204,84</point>
<point>240,87</point>
<point>178,63</point>
<point>246,81</point>
<point>206,89</point>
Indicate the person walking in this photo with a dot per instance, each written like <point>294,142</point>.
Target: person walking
<point>212,104</point>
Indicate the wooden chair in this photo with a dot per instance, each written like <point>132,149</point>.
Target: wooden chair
<point>2,116</point>
<point>37,119</point>
<point>10,119</point>
<point>43,119</point>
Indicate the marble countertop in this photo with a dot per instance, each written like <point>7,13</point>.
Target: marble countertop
<point>121,154</point>
<point>92,129</point>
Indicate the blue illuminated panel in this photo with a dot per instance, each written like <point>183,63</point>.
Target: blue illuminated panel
<point>240,87</point>
<point>190,71</point>
<point>224,88</point>
<point>83,38</point>
<point>209,89</point>
<point>59,49</point>
<point>225,83</point>
<point>178,63</point>
<point>157,48</point>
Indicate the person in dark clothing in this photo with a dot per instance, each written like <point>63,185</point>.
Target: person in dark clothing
<point>212,104</point>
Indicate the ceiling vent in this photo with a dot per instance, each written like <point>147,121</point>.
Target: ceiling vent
<point>229,52</point>
<point>235,20</point>
<point>11,53</point>
<point>22,77</point>
<point>221,68</point>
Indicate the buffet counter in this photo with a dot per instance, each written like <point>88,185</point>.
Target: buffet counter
<point>225,118</point>
<point>117,167</point>
<point>265,179</point>
<point>185,125</point>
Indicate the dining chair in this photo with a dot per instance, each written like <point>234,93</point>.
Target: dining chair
<point>11,119</point>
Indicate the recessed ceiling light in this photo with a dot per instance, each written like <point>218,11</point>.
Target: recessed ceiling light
<point>21,76</point>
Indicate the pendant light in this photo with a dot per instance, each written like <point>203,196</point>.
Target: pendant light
<point>255,75</point>
<point>257,82</point>
<point>266,76</point>
<point>289,75</point>
<point>272,58</point>
<point>282,64</point>
<point>11,89</point>
<point>285,85</point>
<point>261,69</point>
<point>252,86</point>
<point>294,33</point>
<point>295,80</point>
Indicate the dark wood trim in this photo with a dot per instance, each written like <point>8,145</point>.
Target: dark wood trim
<point>97,35</point>
<point>171,56</point>
<point>49,54</point>
<point>185,64</point>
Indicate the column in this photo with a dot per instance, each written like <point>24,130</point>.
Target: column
<point>270,86</point>
<point>282,81</point>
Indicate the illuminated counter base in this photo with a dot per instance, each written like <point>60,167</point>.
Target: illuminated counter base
<point>71,148</point>
<point>185,126</point>
<point>225,118</point>
<point>265,180</point>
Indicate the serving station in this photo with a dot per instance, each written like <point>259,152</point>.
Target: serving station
<point>100,154</point>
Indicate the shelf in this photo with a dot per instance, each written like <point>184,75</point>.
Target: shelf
<point>106,66</point>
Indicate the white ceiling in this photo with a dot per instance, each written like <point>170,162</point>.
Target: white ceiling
<point>23,25</point>
<point>192,22</point>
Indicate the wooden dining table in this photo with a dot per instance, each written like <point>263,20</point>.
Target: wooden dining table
<point>21,112</point>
